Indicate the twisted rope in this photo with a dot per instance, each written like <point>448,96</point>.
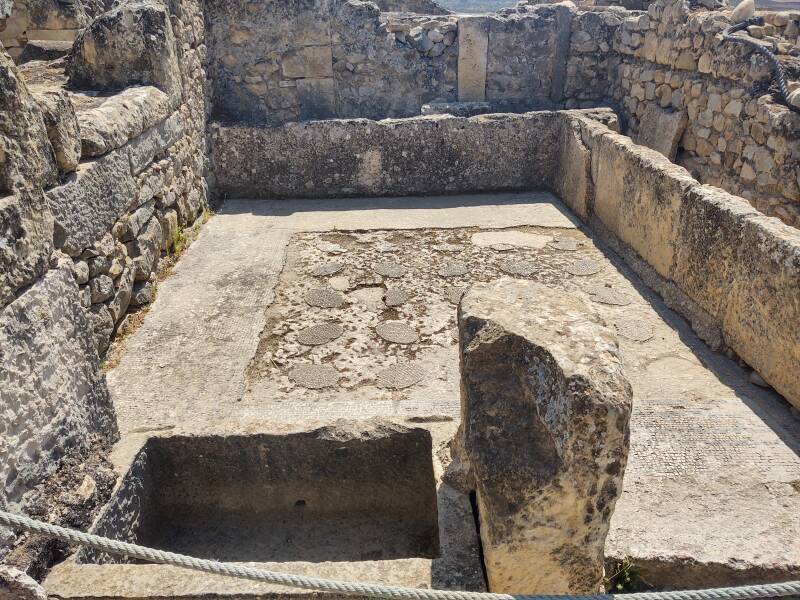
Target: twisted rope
<point>22,523</point>
<point>778,74</point>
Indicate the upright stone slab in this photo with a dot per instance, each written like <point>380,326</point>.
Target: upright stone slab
<point>544,434</point>
<point>473,40</point>
<point>662,130</point>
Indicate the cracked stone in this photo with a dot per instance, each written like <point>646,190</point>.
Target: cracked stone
<point>634,329</point>
<point>396,297</point>
<point>584,267</point>
<point>398,377</point>
<point>453,269</point>
<point>520,268</point>
<point>397,332</point>
<point>324,298</point>
<point>327,269</point>
<point>390,269</point>
<point>316,335</point>
<point>314,377</point>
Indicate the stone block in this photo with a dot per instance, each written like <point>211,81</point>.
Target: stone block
<point>62,128</point>
<point>661,129</point>
<point>762,311</point>
<point>545,409</point>
<point>473,47</point>
<point>312,61</point>
<point>317,98</point>
<point>45,50</point>
<point>16,585</point>
<point>572,179</point>
<point>26,241</point>
<point>637,194</point>
<point>52,392</point>
<point>91,201</point>
<point>146,250</point>
<point>152,142</point>
<point>132,43</point>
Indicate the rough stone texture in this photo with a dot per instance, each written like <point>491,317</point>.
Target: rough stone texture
<point>16,585</point>
<point>26,158</point>
<point>54,396</point>
<point>44,50</point>
<point>91,201</point>
<point>41,20</point>
<point>26,241</point>
<point>662,130</point>
<point>472,58</point>
<point>487,152</point>
<point>132,43</point>
<point>62,128</point>
<point>544,433</point>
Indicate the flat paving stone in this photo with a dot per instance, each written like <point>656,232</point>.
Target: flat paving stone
<point>453,269</point>
<point>340,283</point>
<point>324,298</point>
<point>583,268</point>
<point>396,297</point>
<point>392,270</point>
<point>397,332</point>
<point>518,239</point>
<point>400,376</point>
<point>608,295</point>
<point>317,335</point>
<point>314,377</point>
<point>327,269</point>
<point>519,267</point>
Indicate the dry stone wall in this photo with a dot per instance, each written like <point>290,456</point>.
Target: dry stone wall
<point>96,185</point>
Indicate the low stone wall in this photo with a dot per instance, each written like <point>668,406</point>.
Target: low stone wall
<point>425,155</point>
<point>733,272</point>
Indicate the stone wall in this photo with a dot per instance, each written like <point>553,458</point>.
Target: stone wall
<point>731,271</point>
<point>51,20</point>
<point>96,188</point>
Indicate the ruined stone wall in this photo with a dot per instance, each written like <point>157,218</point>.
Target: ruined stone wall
<point>735,136</point>
<point>95,189</point>
<point>51,20</point>
<point>292,60</point>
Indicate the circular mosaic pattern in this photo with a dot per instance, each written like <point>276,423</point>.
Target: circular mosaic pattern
<point>386,247</point>
<point>316,335</point>
<point>448,247</point>
<point>519,268</point>
<point>397,332</point>
<point>453,269</point>
<point>330,248</point>
<point>396,297</point>
<point>454,294</point>
<point>327,269</point>
<point>390,269</point>
<point>584,267</point>
<point>565,243</point>
<point>314,377</point>
<point>634,329</point>
<point>607,295</point>
<point>324,298</point>
<point>398,377</point>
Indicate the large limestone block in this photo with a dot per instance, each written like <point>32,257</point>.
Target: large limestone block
<point>155,140</point>
<point>637,194</point>
<point>662,129</point>
<point>572,181</point>
<point>545,408</point>
<point>473,40</point>
<point>91,201</point>
<point>26,156</point>
<point>26,241</point>
<point>132,43</point>
<point>53,395</point>
<point>762,312</point>
<point>62,128</point>
<point>16,585</point>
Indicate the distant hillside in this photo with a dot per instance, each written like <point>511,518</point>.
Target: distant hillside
<point>476,6</point>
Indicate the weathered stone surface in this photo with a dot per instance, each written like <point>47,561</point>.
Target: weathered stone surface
<point>26,241</point>
<point>53,394</point>
<point>91,201</point>
<point>661,130</point>
<point>544,434</point>
<point>144,148</point>
<point>45,50</point>
<point>16,585</point>
<point>26,156</point>
<point>324,298</point>
<point>62,128</point>
<point>146,250</point>
<point>472,58</point>
<point>397,332</point>
<point>121,117</point>
<point>132,43</point>
<point>314,377</point>
<point>317,335</point>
